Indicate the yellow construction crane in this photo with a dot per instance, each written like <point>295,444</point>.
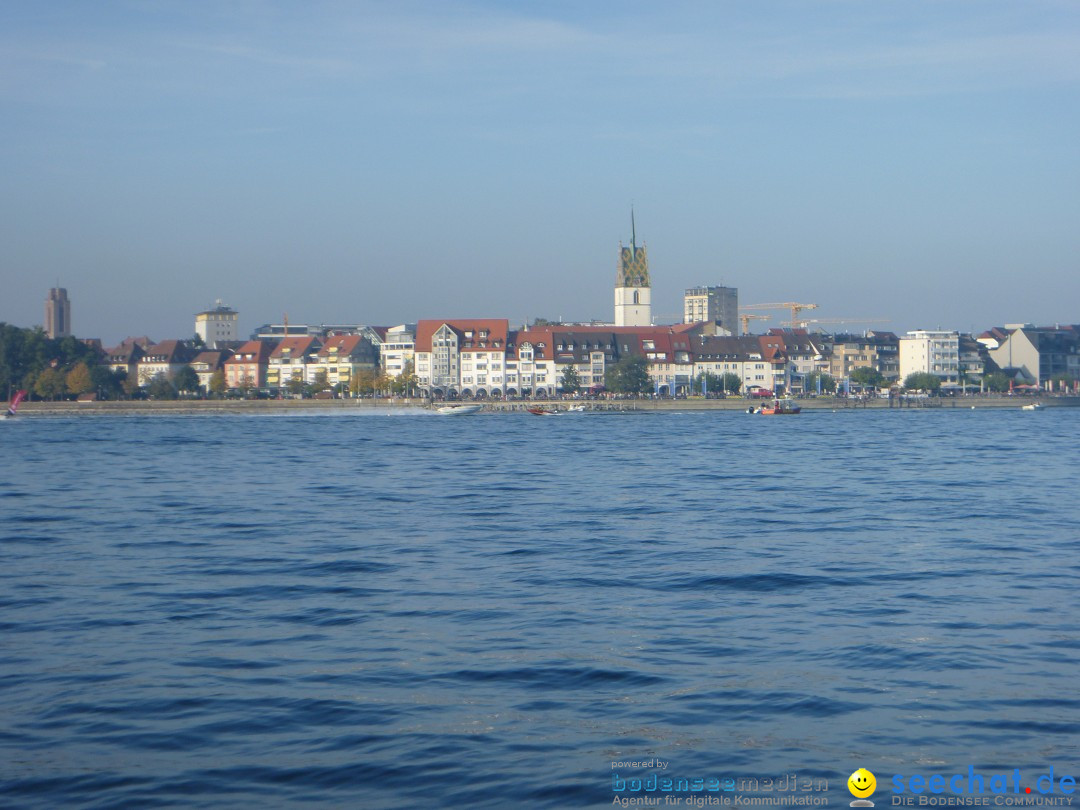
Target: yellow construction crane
<point>796,309</point>
<point>745,318</point>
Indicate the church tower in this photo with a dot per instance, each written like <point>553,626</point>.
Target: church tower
<point>633,290</point>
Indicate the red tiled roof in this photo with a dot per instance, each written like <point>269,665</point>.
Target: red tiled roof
<point>497,329</point>
<point>296,346</point>
<point>259,351</point>
<point>170,351</point>
<point>346,345</point>
<point>212,359</point>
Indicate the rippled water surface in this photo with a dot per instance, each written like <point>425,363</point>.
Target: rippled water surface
<point>416,611</point>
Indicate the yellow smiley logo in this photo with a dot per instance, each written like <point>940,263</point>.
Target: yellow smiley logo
<point>861,783</point>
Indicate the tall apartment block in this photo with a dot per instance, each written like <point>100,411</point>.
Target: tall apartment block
<point>57,313</point>
<point>715,305</point>
<point>216,326</point>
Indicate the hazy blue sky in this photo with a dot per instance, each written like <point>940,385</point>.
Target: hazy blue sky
<point>386,161</point>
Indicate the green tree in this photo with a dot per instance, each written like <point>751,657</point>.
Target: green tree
<point>382,383</point>
<point>867,377</point>
<point>362,382</point>
<point>321,381</point>
<point>78,380</point>
<point>107,382</point>
<point>161,387</point>
<point>571,382</point>
<point>50,383</point>
<point>630,375</point>
<point>713,383</point>
<point>406,381</point>
<point>732,382</point>
<point>186,381</point>
<point>217,383</point>
<point>828,384</point>
<point>996,381</point>
<point>922,381</point>
<point>25,352</point>
<point>131,386</point>
<point>295,384</point>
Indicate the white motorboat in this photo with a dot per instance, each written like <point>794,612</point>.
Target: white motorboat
<point>457,410</point>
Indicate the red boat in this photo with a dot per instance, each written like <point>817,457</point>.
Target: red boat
<point>542,412</point>
<point>780,406</point>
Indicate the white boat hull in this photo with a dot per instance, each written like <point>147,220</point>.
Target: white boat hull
<point>457,410</point>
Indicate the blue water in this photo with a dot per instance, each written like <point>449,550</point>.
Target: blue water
<point>388,611</point>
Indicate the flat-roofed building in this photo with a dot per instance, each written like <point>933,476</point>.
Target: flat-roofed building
<point>716,306</point>
<point>217,326</point>
<point>931,351</point>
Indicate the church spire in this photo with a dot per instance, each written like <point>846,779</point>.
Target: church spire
<point>633,232</point>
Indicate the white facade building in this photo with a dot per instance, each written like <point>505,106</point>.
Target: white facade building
<point>398,349</point>
<point>217,326</point>
<point>464,358</point>
<point>932,352</point>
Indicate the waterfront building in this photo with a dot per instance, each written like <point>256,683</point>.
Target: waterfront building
<point>217,327</point>
<point>248,366</point>
<point>633,287</point>
<point>398,349</point>
<point>204,364</point>
<point>806,354</point>
<point>1039,354</point>
<point>462,357</point>
<point>276,331</point>
<point>290,360</point>
<point>166,358</point>
<point>973,357</point>
<point>877,350</point>
<point>716,306</point>
<point>126,356</point>
<point>530,364</point>
<point>590,352</point>
<point>996,335</point>
<point>57,313</point>
<point>931,351</point>
<point>341,357</point>
<point>742,356</point>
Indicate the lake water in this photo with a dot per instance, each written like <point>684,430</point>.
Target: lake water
<point>392,610</point>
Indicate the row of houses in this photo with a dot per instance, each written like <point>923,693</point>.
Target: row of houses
<point>485,357</point>
<point>254,364</point>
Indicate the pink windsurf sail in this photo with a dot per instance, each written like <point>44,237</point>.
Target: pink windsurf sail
<point>14,406</point>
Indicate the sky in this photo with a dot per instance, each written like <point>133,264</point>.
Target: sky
<point>912,164</point>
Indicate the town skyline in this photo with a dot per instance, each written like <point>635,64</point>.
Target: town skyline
<point>377,163</point>
<point>764,320</point>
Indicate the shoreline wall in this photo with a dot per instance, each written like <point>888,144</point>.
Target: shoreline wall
<point>209,406</point>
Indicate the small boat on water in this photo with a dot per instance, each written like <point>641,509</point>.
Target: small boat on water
<point>458,410</point>
<point>542,412</point>
<point>1034,406</point>
<point>576,409</point>
<point>780,406</point>
<point>14,406</point>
